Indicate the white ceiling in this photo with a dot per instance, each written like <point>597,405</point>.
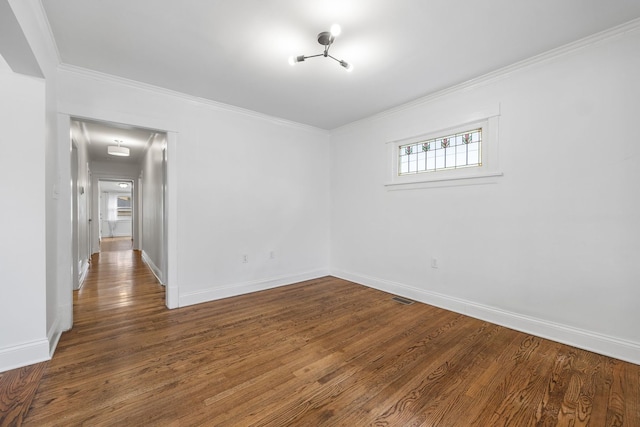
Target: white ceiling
<point>99,135</point>
<point>114,186</point>
<point>236,52</point>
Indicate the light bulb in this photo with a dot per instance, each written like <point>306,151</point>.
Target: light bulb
<point>294,59</point>
<point>335,30</point>
<point>345,64</point>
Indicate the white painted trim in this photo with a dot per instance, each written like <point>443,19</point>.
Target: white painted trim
<point>95,183</point>
<point>45,26</point>
<point>172,290</point>
<point>505,72</point>
<point>490,167</point>
<point>84,270</point>
<point>65,317</point>
<point>587,340</point>
<point>62,322</point>
<point>32,18</point>
<point>235,289</point>
<point>96,75</point>
<point>53,336</point>
<point>64,225</point>
<point>153,267</point>
<point>470,179</point>
<point>24,354</point>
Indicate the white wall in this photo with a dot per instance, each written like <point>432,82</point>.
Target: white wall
<point>248,186</point>
<point>153,206</point>
<point>55,197</point>
<point>23,333</point>
<point>243,184</point>
<point>553,246</point>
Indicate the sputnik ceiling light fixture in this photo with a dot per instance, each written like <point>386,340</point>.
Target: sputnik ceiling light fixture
<point>117,150</point>
<point>325,38</point>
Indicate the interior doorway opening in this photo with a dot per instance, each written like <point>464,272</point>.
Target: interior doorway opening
<point>149,175</point>
<point>129,189</point>
<point>117,213</point>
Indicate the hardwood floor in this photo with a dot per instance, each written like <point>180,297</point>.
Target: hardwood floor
<point>323,352</point>
<point>17,388</point>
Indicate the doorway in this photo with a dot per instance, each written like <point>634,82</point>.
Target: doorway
<point>127,200</point>
<point>116,209</point>
<point>150,173</point>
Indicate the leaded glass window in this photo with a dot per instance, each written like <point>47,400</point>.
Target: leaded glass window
<point>459,150</point>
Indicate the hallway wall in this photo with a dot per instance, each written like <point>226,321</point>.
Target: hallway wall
<point>152,207</point>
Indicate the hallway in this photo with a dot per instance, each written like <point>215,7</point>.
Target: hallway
<point>118,277</point>
<point>118,302</point>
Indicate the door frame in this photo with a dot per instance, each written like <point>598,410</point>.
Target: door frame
<point>64,222</point>
<point>95,182</point>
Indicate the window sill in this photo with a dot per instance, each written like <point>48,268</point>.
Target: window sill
<point>443,181</point>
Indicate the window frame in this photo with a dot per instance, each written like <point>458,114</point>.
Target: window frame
<point>434,151</point>
<point>486,172</point>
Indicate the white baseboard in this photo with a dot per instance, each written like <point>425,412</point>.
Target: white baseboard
<point>24,354</point>
<point>235,289</point>
<point>172,300</point>
<point>63,322</point>
<point>84,269</point>
<point>53,336</point>
<point>154,268</point>
<point>587,340</point>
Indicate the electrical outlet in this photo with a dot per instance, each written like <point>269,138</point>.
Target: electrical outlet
<point>245,259</point>
<point>434,262</point>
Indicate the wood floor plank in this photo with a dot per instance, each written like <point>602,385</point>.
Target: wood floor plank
<point>346,369</point>
<point>17,389</point>
<point>422,392</point>
<point>324,352</point>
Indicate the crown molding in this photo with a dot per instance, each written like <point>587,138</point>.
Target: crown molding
<point>45,27</point>
<point>35,26</point>
<point>504,72</point>
<point>99,76</point>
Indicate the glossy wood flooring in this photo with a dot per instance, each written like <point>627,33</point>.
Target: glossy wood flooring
<point>17,388</point>
<point>324,352</point>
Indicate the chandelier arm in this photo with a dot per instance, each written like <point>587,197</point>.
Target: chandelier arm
<point>326,39</point>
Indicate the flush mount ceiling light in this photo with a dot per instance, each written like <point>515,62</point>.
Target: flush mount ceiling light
<point>123,185</point>
<point>325,38</point>
<point>117,150</point>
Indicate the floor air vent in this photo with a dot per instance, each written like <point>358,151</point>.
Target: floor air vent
<point>403,301</point>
